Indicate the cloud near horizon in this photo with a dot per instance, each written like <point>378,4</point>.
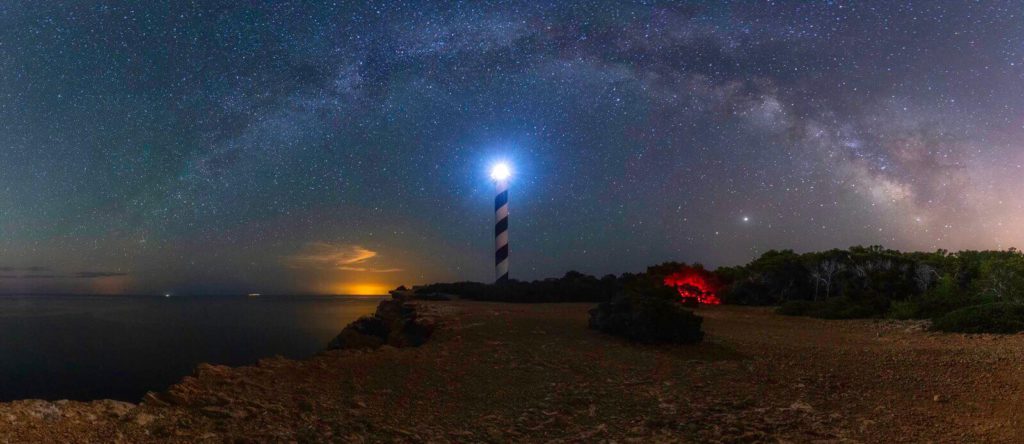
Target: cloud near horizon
<point>346,257</point>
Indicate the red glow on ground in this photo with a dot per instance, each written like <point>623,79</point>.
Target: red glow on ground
<point>694,284</point>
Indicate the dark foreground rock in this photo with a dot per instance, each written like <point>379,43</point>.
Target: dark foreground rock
<point>647,318</point>
<point>395,323</point>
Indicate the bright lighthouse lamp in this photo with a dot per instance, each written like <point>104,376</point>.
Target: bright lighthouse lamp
<point>500,173</point>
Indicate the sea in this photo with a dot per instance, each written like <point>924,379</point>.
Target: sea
<point>120,347</point>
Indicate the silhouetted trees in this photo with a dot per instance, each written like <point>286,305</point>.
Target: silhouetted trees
<point>858,282</point>
<point>875,282</point>
<point>572,287</point>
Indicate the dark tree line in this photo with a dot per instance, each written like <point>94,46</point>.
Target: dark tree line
<point>863,282</point>
<point>572,287</point>
<point>858,282</point>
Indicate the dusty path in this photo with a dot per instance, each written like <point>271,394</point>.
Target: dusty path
<point>503,372</point>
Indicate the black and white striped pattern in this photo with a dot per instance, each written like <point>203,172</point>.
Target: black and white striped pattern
<point>501,233</point>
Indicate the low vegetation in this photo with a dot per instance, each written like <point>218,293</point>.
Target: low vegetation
<point>999,317</point>
<point>648,312</point>
<point>859,282</point>
<point>573,287</point>
<point>967,291</point>
<point>639,307</point>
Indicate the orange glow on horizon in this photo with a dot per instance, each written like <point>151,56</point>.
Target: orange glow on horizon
<point>110,285</point>
<point>362,289</point>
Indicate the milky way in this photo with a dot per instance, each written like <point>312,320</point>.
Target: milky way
<point>210,147</point>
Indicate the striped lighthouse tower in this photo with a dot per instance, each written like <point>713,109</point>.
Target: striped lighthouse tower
<point>500,174</point>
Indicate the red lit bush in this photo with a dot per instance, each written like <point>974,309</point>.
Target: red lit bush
<point>694,284</point>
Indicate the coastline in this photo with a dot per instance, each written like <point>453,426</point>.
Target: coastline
<point>498,372</point>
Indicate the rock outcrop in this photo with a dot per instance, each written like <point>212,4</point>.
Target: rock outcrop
<point>395,323</point>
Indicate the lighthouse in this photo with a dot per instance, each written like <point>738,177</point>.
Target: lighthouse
<point>500,174</point>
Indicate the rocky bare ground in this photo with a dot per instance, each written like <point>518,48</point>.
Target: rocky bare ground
<point>502,372</point>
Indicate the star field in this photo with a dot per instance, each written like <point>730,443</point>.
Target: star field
<point>211,147</point>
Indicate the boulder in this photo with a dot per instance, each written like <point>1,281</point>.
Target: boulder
<point>395,312</point>
<point>365,332</point>
<point>117,409</point>
<point>143,419</point>
<point>395,323</point>
<point>402,293</point>
<point>45,410</point>
<point>411,333</point>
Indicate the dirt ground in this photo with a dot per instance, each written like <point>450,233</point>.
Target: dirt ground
<point>535,373</point>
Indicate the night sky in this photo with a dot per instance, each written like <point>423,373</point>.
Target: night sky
<point>282,147</point>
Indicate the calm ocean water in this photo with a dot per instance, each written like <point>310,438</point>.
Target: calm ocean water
<point>91,347</point>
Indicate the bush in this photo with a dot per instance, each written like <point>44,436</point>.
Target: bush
<point>946,297</point>
<point>999,317</point>
<point>652,315</point>
<point>904,310</point>
<point>748,293</point>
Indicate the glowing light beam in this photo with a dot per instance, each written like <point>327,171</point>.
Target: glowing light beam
<point>501,171</point>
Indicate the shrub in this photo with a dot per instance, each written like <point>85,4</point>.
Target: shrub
<point>748,293</point>
<point>904,310</point>
<point>840,309</point>
<point>945,297</point>
<point>999,317</point>
<point>651,315</point>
